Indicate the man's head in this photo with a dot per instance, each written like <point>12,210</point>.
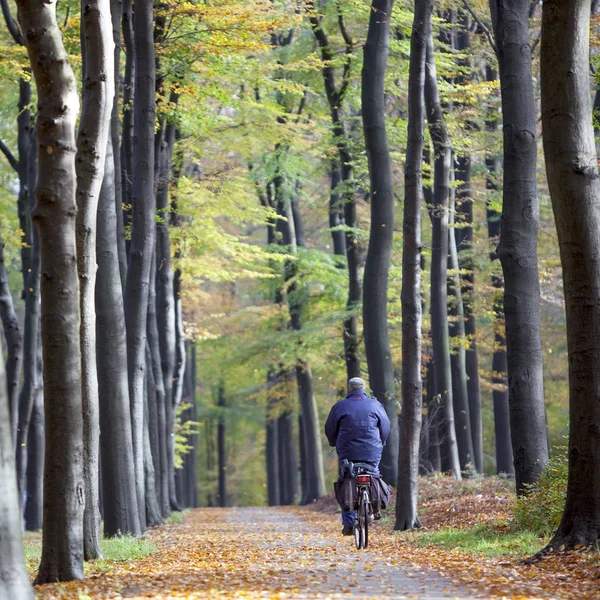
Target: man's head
<point>356,383</point>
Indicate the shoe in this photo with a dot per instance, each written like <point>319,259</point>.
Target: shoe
<point>348,530</point>
<point>377,515</point>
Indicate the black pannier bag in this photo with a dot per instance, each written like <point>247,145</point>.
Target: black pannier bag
<point>346,493</point>
<point>380,493</point>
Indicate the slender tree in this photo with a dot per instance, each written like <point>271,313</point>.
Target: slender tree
<point>572,170</point>
<point>221,445</point>
<point>375,282</point>
<point>14,582</point>
<point>517,249</point>
<point>439,258</point>
<point>118,475</point>
<point>412,393</point>
<point>54,215</point>
<point>94,130</point>
<point>142,232</point>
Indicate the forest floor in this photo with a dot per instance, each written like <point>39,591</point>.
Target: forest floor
<point>463,551</point>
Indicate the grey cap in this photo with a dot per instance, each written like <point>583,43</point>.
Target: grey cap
<point>356,383</point>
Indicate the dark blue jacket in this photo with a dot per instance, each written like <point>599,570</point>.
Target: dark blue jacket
<point>358,426</point>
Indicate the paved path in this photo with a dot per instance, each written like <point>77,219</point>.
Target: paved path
<point>258,553</point>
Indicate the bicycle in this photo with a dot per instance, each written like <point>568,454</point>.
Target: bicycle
<point>364,511</point>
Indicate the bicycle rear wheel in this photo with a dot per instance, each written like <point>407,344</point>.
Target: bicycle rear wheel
<point>365,520</point>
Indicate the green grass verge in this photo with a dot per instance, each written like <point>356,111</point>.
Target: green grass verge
<point>177,516</point>
<point>488,540</point>
<point>117,549</point>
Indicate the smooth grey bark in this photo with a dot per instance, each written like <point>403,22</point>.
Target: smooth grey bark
<point>127,135</point>
<point>464,243</point>
<point>35,456</point>
<point>195,439</point>
<point>152,508</point>
<point>504,455</point>
<point>142,232</point>
<point>116,9</point>
<point>517,249</point>
<point>165,297</point>
<point>153,435</point>
<point>412,392</point>
<point>463,238</point>
<point>375,281</point>
<point>162,467</point>
<point>439,258</point>
<point>14,345</point>
<point>94,130</point>
<point>31,337</point>
<point>573,179</point>
<point>288,464</point>
<point>458,362</point>
<point>116,446</point>
<point>14,582</point>
<point>342,172</point>
<point>54,216</point>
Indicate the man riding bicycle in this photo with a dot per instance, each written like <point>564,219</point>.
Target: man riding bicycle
<point>358,427</point>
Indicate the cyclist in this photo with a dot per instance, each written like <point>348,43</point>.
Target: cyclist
<point>358,427</point>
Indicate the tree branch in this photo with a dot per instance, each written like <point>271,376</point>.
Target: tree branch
<point>349,53</point>
<point>10,157</point>
<point>481,24</point>
<point>11,24</point>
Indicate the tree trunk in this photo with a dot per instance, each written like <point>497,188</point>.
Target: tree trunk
<point>572,170</point>
<point>128,116</point>
<point>439,258</point>
<point>31,339</point>
<point>14,346</point>
<point>221,447</point>
<point>165,298</point>
<point>163,411</point>
<point>464,242</point>
<point>458,363</point>
<point>377,345</point>
<point>116,7</point>
<point>94,130</point>
<point>335,213</point>
<point>518,242</point>
<point>54,215</point>
<point>412,393</point>
<point>272,445</point>
<point>288,464</point>
<point>118,474</point>
<point>504,454</point>
<point>142,232</point>
<point>153,435</point>
<point>35,457</point>
<point>152,508</point>
<point>14,582</point>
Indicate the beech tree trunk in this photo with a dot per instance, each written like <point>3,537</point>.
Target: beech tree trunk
<point>572,170</point>
<point>116,447</point>
<point>375,282</point>
<point>94,130</point>
<point>35,457</point>
<point>517,250</point>
<point>439,258</point>
<point>142,232</point>
<point>458,362</point>
<point>272,445</point>
<point>412,392</point>
<point>161,408</point>
<point>504,455</point>
<point>54,216</point>
<point>14,345</point>
<point>152,507</point>
<point>31,337</point>
<point>288,465</point>
<point>14,582</point>
<point>221,446</point>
